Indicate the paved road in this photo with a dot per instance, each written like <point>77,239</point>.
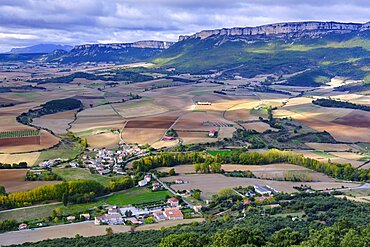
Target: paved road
<point>363,186</point>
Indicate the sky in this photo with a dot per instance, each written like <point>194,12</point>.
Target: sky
<point>74,22</point>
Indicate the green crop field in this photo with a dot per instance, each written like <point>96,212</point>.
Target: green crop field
<point>138,196</point>
<point>19,133</point>
<point>69,174</point>
<point>62,151</point>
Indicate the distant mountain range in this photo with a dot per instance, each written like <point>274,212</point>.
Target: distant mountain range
<point>325,48</point>
<point>40,48</point>
<point>119,52</point>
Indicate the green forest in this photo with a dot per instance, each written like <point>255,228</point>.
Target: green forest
<point>50,107</point>
<point>116,75</point>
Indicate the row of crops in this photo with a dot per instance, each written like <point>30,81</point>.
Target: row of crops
<point>19,133</point>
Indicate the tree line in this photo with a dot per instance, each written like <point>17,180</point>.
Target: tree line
<point>340,104</point>
<point>20,165</point>
<point>50,107</point>
<point>167,159</point>
<point>78,191</point>
<point>337,170</point>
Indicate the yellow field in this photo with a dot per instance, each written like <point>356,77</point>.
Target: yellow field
<point>100,140</point>
<point>139,109</point>
<point>30,158</point>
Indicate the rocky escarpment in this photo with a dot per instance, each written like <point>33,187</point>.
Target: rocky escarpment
<point>298,29</point>
<point>118,52</point>
<point>146,44</point>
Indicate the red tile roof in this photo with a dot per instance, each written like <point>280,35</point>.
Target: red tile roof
<point>173,213</point>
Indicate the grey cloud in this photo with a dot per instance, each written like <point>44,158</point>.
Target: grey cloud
<point>27,22</point>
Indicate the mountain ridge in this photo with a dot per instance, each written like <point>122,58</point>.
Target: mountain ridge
<point>40,48</point>
<point>283,28</point>
<point>112,52</point>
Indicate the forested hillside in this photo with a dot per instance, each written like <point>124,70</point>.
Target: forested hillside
<point>329,222</point>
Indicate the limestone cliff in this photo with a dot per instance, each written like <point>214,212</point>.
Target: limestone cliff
<point>298,29</point>
<point>148,44</point>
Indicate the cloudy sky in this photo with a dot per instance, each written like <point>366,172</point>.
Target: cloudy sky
<point>29,22</point>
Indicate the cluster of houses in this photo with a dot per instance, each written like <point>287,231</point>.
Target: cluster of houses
<point>134,215</point>
<point>50,163</point>
<point>108,161</point>
<point>266,193</point>
<point>70,219</point>
<point>145,181</point>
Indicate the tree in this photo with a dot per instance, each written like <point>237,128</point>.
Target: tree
<point>238,237</point>
<point>59,212</point>
<point>226,192</point>
<point>149,220</point>
<point>2,190</point>
<point>65,200</point>
<point>184,240</point>
<point>356,238</point>
<point>172,172</point>
<point>215,167</point>
<point>197,194</point>
<point>197,167</point>
<point>269,114</point>
<point>8,225</point>
<point>109,231</point>
<point>285,238</point>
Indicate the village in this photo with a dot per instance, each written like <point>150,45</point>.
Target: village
<point>136,216</point>
<point>108,161</point>
<point>103,162</point>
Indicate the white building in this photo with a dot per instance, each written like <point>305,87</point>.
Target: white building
<point>143,183</point>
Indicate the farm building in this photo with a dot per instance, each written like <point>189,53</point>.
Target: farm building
<point>148,178</point>
<point>204,103</point>
<point>173,214</point>
<point>71,218</point>
<point>22,226</point>
<point>173,202</point>
<point>168,138</point>
<point>168,214</point>
<point>156,186</point>
<point>212,133</point>
<point>19,138</point>
<point>110,219</point>
<point>264,190</point>
<point>142,183</point>
<point>134,221</point>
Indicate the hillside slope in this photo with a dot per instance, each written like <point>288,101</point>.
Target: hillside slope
<point>338,49</point>
<point>118,53</point>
